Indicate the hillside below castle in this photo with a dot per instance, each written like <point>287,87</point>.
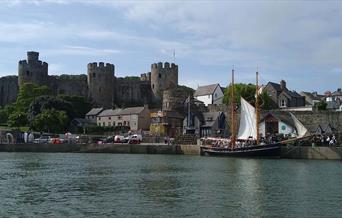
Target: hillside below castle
<point>100,85</point>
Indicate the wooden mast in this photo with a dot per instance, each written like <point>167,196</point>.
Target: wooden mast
<point>257,115</point>
<point>232,108</point>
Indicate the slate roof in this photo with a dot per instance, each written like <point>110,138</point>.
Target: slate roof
<point>276,86</point>
<point>110,112</point>
<point>206,90</point>
<point>312,96</point>
<point>131,110</point>
<point>94,111</point>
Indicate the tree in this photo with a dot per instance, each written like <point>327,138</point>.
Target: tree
<point>322,105</point>
<point>17,119</point>
<point>79,104</point>
<point>5,113</point>
<point>51,120</point>
<point>28,92</point>
<point>50,102</point>
<point>247,91</point>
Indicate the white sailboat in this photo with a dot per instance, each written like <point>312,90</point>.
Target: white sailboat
<point>248,131</point>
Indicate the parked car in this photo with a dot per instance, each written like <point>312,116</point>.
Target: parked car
<point>135,139</point>
<point>42,139</point>
<point>119,139</point>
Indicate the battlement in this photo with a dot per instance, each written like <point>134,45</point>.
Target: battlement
<point>32,56</point>
<point>166,65</point>
<point>145,76</point>
<point>36,63</point>
<point>101,65</point>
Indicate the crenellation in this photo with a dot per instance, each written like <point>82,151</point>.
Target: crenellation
<point>100,85</point>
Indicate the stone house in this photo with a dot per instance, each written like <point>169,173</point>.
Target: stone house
<point>311,98</point>
<point>210,94</point>
<point>282,97</point>
<point>136,118</point>
<point>214,124</point>
<point>92,114</point>
<point>166,123</point>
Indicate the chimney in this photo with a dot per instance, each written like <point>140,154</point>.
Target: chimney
<point>282,85</point>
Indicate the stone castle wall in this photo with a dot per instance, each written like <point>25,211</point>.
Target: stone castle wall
<point>69,85</point>
<point>132,93</point>
<point>8,90</point>
<point>32,70</point>
<point>101,84</point>
<point>163,77</point>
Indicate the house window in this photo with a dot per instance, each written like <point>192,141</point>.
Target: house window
<point>109,118</point>
<point>215,95</point>
<point>124,123</point>
<point>99,118</point>
<point>282,103</point>
<point>104,124</point>
<point>159,75</point>
<point>113,123</point>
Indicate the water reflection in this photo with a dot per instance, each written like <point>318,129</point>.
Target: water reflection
<point>83,185</point>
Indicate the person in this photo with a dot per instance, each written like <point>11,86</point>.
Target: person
<point>25,136</point>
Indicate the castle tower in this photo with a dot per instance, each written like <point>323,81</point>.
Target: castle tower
<point>100,84</point>
<point>32,70</point>
<point>163,77</point>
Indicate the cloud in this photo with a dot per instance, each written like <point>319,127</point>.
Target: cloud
<point>81,50</point>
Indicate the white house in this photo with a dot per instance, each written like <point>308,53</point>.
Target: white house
<point>211,94</point>
<point>273,123</point>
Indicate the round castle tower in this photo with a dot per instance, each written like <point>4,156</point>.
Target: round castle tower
<point>100,84</point>
<point>163,77</point>
<point>32,70</point>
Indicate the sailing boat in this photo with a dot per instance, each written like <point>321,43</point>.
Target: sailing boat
<point>246,143</point>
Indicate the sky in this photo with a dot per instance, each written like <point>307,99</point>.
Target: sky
<point>298,41</point>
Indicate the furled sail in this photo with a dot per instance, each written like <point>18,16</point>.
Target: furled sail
<point>301,130</point>
<point>247,127</point>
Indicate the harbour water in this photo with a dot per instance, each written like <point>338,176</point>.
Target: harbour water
<point>128,185</point>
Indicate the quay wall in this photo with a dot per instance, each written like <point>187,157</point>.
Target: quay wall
<point>290,152</point>
<point>307,152</point>
<point>104,148</point>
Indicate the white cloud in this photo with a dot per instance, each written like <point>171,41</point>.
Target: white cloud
<point>81,50</point>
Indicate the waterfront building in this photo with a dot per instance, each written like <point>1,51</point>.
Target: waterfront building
<point>311,98</point>
<point>166,123</point>
<point>136,118</point>
<point>282,97</point>
<point>276,123</point>
<point>93,113</point>
<point>210,94</point>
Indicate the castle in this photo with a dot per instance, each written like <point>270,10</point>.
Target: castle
<point>100,85</point>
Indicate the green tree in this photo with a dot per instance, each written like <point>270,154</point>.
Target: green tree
<point>5,113</point>
<point>28,92</point>
<point>322,105</point>
<point>51,120</point>
<point>79,104</point>
<point>50,102</point>
<point>247,91</point>
<point>17,119</point>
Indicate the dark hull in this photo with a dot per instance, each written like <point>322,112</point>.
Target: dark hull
<point>270,150</point>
